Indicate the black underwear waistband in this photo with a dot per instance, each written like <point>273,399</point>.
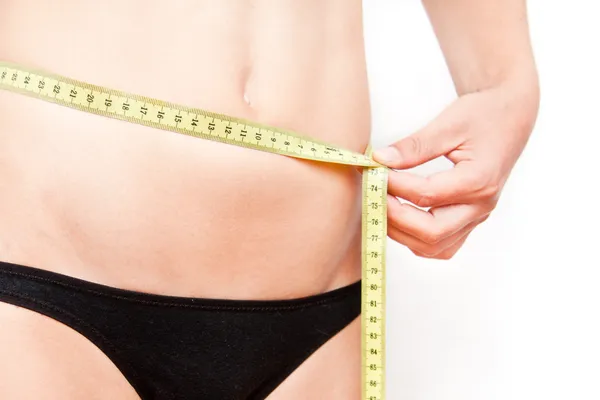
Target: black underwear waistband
<point>179,348</point>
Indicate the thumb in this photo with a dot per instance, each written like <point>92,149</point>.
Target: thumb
<point>434,140</point>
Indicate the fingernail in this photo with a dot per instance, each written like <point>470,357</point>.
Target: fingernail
<point>387,154</point>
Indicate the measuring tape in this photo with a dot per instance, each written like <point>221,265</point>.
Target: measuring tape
<point>207,125</point>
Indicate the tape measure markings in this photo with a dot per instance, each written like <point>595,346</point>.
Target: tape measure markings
<point>236,131</point>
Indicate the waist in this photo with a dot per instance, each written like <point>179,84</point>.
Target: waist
<point>276,63</point>
<point>150,210</point>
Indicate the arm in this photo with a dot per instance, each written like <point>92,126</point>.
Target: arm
<point>487,48</point>
<point>486,43</point>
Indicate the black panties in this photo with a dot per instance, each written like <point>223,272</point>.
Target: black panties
<point>187,348</point>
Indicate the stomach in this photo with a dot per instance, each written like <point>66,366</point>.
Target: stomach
<point>149,210</point>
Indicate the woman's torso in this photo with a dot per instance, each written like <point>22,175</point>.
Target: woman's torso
<point>151,210</point>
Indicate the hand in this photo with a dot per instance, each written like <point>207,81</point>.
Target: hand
<point>483,134</point>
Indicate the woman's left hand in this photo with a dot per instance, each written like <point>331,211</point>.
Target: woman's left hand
<point>483,134</point>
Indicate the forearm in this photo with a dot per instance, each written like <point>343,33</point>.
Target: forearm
<point>485,42</point>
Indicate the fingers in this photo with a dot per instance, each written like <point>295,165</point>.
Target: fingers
<point>438,233</point>
<point>449,252</point>
<point>464,183</point>
<point>428,250</point>
<point>431,226</point>
<point>439,137</point>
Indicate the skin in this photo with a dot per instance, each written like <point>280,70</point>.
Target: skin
<point>152,211</point>
<point>487,49</point>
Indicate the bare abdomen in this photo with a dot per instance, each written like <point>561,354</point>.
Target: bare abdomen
<point>156,211</point>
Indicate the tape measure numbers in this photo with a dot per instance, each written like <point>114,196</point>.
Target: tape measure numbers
<point>207,125</point>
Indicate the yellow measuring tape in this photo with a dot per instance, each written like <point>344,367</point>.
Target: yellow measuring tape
<point>207,125</point>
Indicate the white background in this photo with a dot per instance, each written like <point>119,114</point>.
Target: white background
<point>516,314</point>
